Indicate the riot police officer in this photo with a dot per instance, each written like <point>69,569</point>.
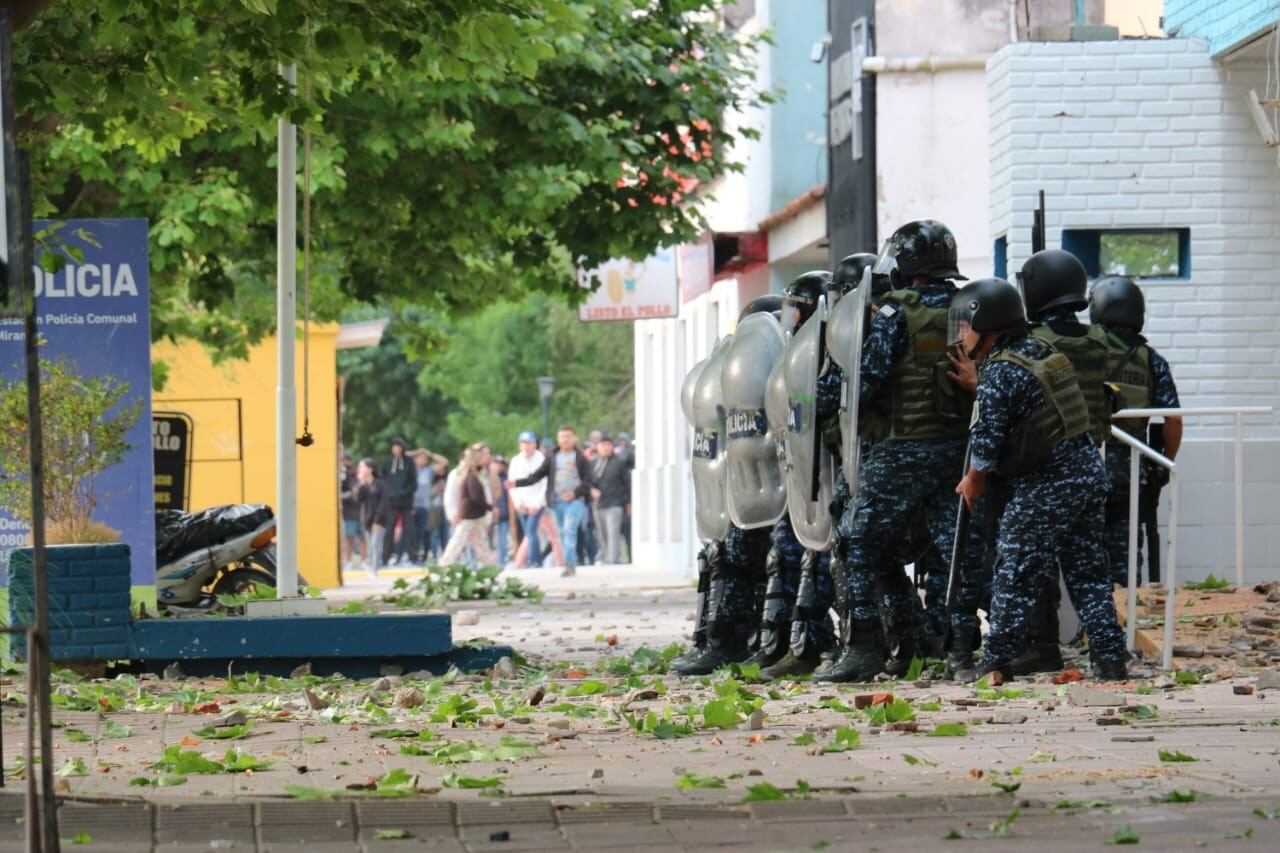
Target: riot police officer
<point>1054,287</point>
<point>910,472</point>
<point>1137,377</point>
<point>787,559</point>
<point>731,563</point>
<point>1031,427</point>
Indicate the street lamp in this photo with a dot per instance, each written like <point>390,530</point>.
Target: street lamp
<point>546,387</point>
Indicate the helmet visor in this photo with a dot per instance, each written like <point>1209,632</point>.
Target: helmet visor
<point>887,260</point>
<point>960,317</point>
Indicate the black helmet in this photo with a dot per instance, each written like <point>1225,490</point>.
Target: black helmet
<point>986,305</point>
<point>800,297</point>
<point>1116,301</point>
<point>925,247</point>
<point>1052,278</point>
<point>849,271</point>
<point>770,303</point>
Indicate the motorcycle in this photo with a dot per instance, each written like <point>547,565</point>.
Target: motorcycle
<point>221,551</point>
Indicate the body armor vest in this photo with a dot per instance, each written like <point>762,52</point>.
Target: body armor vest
<point>1089,355</point>
<point>1129,381</point>
<point>923,403</point>
<point>1065,414</point>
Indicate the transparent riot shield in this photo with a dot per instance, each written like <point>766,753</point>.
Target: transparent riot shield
<point>844,344</point>
<point>708,462</point>
<point>754,487</point>
<point>809,468</point>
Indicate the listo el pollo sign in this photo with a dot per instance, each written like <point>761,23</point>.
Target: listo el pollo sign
<point>632,290</point>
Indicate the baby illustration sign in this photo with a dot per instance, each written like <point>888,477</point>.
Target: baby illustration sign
<point>631,290</point>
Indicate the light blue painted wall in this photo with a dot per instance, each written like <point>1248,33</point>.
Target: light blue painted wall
<point>1222,23</point>
<point>799,120</point>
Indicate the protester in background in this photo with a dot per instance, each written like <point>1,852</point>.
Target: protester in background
<point>530,504</point>
<point>627,451</point>
<point>568,476</point>
<point>611,495</point>
<point>501,507</point>
<point>588,538</point>
<point>424,470</point>
<point>401,482</point>
<point>373,512</point>
<point>453,502</point>
<point>352,533</point>
<point>472,529</point>
<point>437,524</point>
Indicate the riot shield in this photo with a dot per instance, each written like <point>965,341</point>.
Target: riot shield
<point>707,406</point>
<point>754,488</point>
<point>809,468</point>
<point>844,344</point>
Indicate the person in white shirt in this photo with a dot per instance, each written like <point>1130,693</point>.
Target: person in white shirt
<point>531,504</point>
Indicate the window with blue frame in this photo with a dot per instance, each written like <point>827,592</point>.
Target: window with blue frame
<point>1000,257</point>
<point>1136,252</point>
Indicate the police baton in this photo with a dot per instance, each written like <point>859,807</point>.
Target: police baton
<point>957,547</point>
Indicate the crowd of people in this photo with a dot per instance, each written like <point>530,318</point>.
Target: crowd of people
<point>564,501</point>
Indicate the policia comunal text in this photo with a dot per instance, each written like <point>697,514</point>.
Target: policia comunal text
<point>831,430</point>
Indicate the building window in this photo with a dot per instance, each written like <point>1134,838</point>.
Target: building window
<point>1000,257</point>
<point>1136,252</point>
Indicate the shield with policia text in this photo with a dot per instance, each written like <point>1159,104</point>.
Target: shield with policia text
<point>704,408</point>
<point>754,488</point>
<point>844,344</point>
<point>809,468</point>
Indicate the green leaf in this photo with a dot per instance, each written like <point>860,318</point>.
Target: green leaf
<point>1124,835</point>
<point>1177,796</point>
<point>1000,828</point>
<point>453,780</point>
<point>930,706</point>
<point>1081,805</point>
<point>391,834</point>
<point>914,670</point>
<point>74,766</point>
<point>697,780</point>
<point>314,739</point>
<point>81,838</point>
<point>897,711</point>
<point>1006,787</point>
<point>1267,814</point>
<point>116,731</point>
<point>302,792</point>
<point>846,738</point>
<point>186,762</point>
<point>170,780</point>
<point>1172,756</point>
<point>804,739</point>
<point>1186,676</point>
<point>720,714</point>
<point>954,835</point>
<point>588,687</point>
<point>77,736</point>
<point>762,793</point>
<point>1208,583</point>
<point>1145,712</point>
<point>398,781</point>
<point>394,733</point>
<point>223,732</point>
<point>949,730</point>
<point>236,761</point>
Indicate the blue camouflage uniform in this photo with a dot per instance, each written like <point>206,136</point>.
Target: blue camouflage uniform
<point>1053,519</point>
<point>1164,395</point>
<point>737,585</point>
<point>900,481</point>
<point>782,585</point>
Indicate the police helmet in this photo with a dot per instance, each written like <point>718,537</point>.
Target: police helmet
<point>986,305</point>
<point>924,247</point>
<point>770,303</point>
<point>848,274</point>
<point>1053,278</point>
<point>800,297</point>
<point>1116,301</point>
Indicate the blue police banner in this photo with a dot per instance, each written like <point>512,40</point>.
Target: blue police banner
<point>94,320</point>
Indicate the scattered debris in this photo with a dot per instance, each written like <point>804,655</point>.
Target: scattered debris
<point>409,697</point>
<point>466,617</point>
<point>1092,697</point>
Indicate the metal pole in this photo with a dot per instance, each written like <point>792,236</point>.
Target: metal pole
<point>1239,484</point>
<point>1131,600</point>
<point>546,417</point>
<point>1171,575</point>
<point>286,332</point>
<point>38,647</point>
<point>31,812</point>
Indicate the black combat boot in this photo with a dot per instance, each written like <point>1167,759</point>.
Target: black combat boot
<point>1110,670</point>
<point>863,655</point>
<point>997,673</point>
<point>789,666</point>
<point>714,656</point>
<point>1042,653</point>
<point>729,626</point>
<point>964,642</point>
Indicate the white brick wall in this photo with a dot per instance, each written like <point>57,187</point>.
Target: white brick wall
<point>1155,133</point>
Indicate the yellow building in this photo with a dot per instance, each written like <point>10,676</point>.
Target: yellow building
<point>232,405</point>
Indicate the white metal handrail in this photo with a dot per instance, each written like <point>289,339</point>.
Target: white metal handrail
<point>1131,599</point>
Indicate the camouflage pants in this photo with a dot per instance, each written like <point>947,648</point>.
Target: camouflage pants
<point>737,586</point>
<point>812,631</point>
<point>900,482</point>
<point>782,568</point>
<point>1052,524</point>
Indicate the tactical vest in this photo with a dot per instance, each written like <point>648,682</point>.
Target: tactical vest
<point>1065,414</point>
<point>923,403</point>
<point>1129,381</point>
<point>1089,355</point>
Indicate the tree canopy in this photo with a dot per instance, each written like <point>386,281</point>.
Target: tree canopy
<point>463,151</point>
<point>482,385</point>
